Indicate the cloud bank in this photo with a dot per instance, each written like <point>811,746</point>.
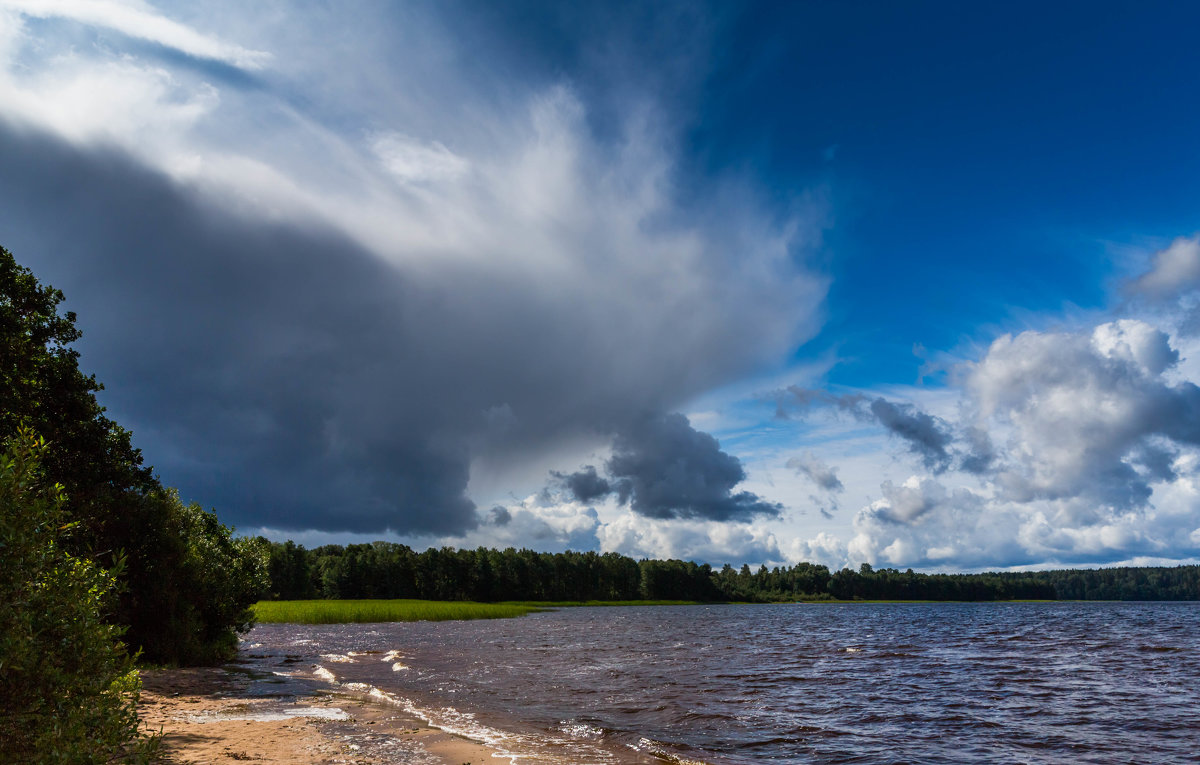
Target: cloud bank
<point>319,308</point>
<point>1070,447</point>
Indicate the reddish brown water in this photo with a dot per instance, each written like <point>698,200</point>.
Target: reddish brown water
<point>895,683</point>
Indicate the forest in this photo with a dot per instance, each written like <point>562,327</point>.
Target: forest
<point>390,570</point>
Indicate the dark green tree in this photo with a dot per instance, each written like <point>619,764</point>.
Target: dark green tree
<point>172,603</point>
<point>290,572</point>
<point>41,387</point>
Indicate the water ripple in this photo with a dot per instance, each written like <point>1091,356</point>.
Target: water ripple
<point>877,683</point>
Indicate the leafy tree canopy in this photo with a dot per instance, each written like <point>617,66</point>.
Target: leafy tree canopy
<point>41,387</point>
<point>187,582</point>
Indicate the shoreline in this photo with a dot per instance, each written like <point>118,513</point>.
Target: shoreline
<point>219,714</point>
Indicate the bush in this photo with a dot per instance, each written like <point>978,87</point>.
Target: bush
<point>68,689</point>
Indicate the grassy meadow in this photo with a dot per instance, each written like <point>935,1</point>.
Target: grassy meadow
<point>350,611</point>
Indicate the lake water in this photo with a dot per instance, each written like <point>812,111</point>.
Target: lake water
<point>888,683</point>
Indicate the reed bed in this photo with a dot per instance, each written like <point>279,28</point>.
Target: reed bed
<point>597,603</point>
<point>354,611</point>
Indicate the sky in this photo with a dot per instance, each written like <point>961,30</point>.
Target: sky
<point>916,285</point>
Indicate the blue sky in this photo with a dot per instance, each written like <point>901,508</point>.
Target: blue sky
<point>985,155</point>
<point>921,277</point>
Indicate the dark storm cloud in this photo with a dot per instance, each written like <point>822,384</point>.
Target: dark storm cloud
<point>926,436</point>
<point>980,457</point>
<point>293,380</point>
<point>664,468</point>
<point>585,485</point>
<point>500,516</point>
<point>667,469</point>
<point>257,365</point>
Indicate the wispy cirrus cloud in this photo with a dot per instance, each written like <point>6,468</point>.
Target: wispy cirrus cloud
<point>140,21</point>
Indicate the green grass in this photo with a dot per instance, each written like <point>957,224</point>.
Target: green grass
<point>597,603</point>
<point>350,611</point>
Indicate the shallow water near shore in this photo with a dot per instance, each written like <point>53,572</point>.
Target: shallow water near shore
<point>879,683</point>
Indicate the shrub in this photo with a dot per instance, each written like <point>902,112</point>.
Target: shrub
<point>68,689</point>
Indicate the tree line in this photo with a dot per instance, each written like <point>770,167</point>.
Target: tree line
<point>390,570</point>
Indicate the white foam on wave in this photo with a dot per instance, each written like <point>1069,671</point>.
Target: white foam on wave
<point>514,747</point>
<point>289,713</point>
<point>580,730</point>
<point>505,745</point>
<point>338,658</point>
<point>392,656</point>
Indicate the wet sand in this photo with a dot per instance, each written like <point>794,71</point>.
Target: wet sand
<point>221,715</point>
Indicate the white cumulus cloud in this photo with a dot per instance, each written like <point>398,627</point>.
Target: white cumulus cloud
<point>1082,447</point>
<point>1176,269</point>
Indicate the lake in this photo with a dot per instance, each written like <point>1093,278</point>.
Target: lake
<point>729,684</point>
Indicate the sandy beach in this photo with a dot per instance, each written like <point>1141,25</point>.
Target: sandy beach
<point>219,715</point>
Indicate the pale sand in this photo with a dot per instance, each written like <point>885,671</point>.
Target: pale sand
<point>209,715</point>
